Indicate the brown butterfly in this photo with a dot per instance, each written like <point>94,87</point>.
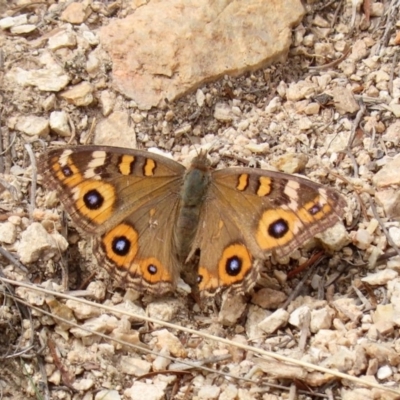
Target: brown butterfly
<point>149,214</point>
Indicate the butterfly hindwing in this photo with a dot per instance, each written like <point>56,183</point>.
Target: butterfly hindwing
<point>251,213</point>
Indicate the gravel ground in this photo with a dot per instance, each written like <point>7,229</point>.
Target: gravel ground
<point>330,112</point>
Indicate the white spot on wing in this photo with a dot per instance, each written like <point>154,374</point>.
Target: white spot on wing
<point>63,160</point>
<point>323,195</point>
<point>98,159</point>
<point>292,191</point>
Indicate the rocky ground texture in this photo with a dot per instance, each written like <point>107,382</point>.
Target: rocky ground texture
<point>318,95</point>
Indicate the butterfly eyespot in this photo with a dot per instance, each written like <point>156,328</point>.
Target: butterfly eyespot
<point>233,266</point>
<point>93,199</point>
<point>152,269</point>
<point>121,245</point>
<point>278,228</point>
<point>67,171</point>
<point>315,209</point>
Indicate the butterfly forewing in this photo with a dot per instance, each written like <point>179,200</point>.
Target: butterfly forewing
<point>121,197</point>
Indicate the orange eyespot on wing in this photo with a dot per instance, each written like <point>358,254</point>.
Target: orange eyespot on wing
<point>233,266</point>
<point>95,200</point>
<point>153,271</point>
<point>276,228</point>
<point>120,245</point>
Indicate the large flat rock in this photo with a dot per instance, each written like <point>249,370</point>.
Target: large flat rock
<point>167,48</point>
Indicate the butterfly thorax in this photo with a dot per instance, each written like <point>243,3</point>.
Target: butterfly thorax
<point>193,193</point>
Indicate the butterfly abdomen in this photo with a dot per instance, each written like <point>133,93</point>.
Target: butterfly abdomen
<point>193,193</point>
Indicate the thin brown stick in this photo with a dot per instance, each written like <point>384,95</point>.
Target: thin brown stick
<point>392,69</point>
<point>13,260</point>
<point>334,63</point>
<point>392,15</point>
<point>32,204</point>
<point>57,362</point>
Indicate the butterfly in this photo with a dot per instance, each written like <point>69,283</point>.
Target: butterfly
<point>150,216</point>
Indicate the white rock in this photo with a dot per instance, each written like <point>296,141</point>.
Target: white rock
<point>79,95</point>
<point>258,148</point>
<point>324,337</point>
<point>166,339</point>
<point>49,102</point>
<point>334,238</point>
<point>357,394</point>
<point>161,363</point>
<point>312,109</point>
<point>97,289</point>
<point>268,298</point>
<point>33,126</point>
<point>389,174</point>
<point>380,277</point>
<point>59,123</point>
<point>392,133</point>
<point>200,97</point>
<point>134,366</point>
<point>223,112</point>
<point>103,323</point>
<point>55,378</point>
<point>337,142</point>
<point>395,235</point>
<point>299,315</point>
<point>384,372</point>
<point>91,37</point>
<point>107,101</point>
<point>321,319</point>
<point>344,100</point>
<point>22,29</point>
<point>229,393</point>
<point>362,238</point>
<point>62,39</point>
<point>51,79</point>
<point>35,242</point>
<point>232,308</point>
<point>163,310</point>
<point>291,163</point>
<point>141,390</point>
<point>83,384</point>
<point>8,232</point>
<point>31,296</point>
<point>347,309</point>
<point>132,308</point>
<point>107,394</point>
<point>209,392</point>
<point>394,263</point>
<point>275,321</point>
<point>93,64</point>
<point>254,317</point>
<point>273,106</point>
<point>389,199</point>
<point>116,131</point>
<point>8,22</point>
<point>83,311</point>
<point>75,13</point>
<point>305,124</point>
<point>300,90</point>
